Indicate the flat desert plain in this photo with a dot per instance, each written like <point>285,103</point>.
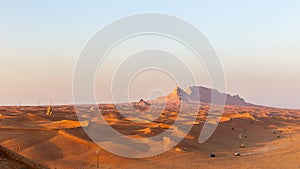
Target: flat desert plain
<point>270,137</point>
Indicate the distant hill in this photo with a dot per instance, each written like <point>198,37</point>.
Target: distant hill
<point>142,105</point>
<point>191,94</point>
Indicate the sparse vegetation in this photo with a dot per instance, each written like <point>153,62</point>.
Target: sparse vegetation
<point>97,153</point>
<point>241,138</point>
<point>49,111</point>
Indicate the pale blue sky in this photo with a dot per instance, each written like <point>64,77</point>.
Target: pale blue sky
<point>257,42</point>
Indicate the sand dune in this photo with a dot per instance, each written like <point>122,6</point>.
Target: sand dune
<point>60,142</point>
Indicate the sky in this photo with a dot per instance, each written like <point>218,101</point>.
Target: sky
<point>256,41</point>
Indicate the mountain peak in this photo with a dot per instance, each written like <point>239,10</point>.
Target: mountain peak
<point>142,105</point>
<point>179,94</point>
<point>142,102</point>
<point>204,94</point>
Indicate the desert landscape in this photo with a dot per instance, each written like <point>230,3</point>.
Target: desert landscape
<point>149,84</point>
<point>264,137</point>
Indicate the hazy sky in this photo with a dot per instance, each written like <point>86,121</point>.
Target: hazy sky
<point>257,41</point>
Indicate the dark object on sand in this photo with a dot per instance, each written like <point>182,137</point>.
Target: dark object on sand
<point>237,154</point>
<point>212,155</point>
